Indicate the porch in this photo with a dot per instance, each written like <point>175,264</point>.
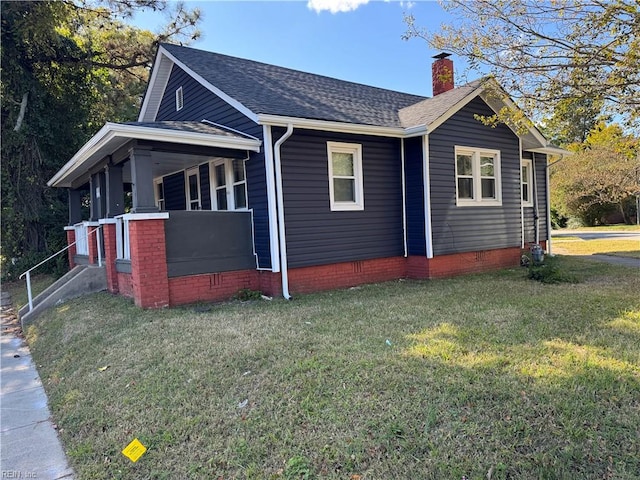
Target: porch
<point>168,211</point>
<point>170,258</point>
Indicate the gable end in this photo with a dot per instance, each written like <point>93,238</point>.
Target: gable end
<point>155,89</point>
<point>219,93</point>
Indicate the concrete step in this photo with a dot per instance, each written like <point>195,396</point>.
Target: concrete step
<point>81,280</point>
<point>52,288</point>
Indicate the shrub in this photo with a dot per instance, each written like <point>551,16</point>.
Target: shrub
<point>247,294</point>
<point>549,271</point>
<point>558,220</point>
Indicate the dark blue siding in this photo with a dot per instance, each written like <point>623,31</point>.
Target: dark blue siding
<point>315,234</point>
<point>200,103</point>
<point>174,192</point>
<point>414,186</point>
<point>205,191</point>
<point>472,228</point>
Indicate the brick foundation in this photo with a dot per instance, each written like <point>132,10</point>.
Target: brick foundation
<point>417,267</point>
<point>347,274</point>
<point>223,286</point>
<point>148,283</point>
<point>71,252</point>
<point>473,262</point>
<point>125,286</point>
<point>270,283</point>
<point>149,263</point>
<point>211,287</point>
<point>109,236</point>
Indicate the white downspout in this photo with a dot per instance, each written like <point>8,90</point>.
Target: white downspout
<point>271,198</point>
<point>521,205</point>
<point>536,210</point>
<point>426,179</point>
<point>404,202</point>
<point>548,195</point>
<point>280,199</point>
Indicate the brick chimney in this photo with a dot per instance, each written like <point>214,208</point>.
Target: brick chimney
<point>442,74</point>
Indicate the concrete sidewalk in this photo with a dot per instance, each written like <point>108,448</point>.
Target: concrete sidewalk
<point>614,260</point>
<point>29,443</point>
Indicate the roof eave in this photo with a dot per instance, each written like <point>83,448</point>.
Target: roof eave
<point>550,150</point>
<point>113,135</point>
<point>331,126</point>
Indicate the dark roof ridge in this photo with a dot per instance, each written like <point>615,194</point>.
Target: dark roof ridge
<point>294,70</point>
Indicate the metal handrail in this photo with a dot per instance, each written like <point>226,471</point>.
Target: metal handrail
<point>28,272</point>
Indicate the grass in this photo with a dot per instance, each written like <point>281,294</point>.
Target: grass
<point>18,288</point>
<point>607,228</point>
<point>617,247</point>
<point>485,376</point>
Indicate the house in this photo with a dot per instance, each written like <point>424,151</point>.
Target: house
<point>243,175</point>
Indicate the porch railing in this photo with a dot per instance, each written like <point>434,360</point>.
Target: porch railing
<point>85,238</point>
<point>82,238</point>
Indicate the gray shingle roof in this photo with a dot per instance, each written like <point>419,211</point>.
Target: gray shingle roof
<point>268,89</point>
<point>194,127</point>
<point>428,111</point>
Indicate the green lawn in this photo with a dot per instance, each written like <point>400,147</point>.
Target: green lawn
<point>486,376</point>
<point>606,228</point>
<point>577,246</point>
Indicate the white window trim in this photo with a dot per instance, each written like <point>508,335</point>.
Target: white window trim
<point>123,246</point>
<point>529,181</point>
<point>179,99</point>
<point>159,201</point>
<point>191,171</point>
<point>476,153</point>
<point>232,184</point>
<point>356,150</point>
<point>229,184</point>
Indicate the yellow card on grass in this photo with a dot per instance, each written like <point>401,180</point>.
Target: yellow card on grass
<point>134,450</point>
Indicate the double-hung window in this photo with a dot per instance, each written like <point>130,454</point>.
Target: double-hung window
<point>193,189</point>
<point>477,176</point>
<point>345,176</point>
<point>527,183</point>
<point>159,192</point>
<point>229,184</point>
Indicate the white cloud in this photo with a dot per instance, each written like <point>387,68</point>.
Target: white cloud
<point>335,6</point>
<point>407,5</point>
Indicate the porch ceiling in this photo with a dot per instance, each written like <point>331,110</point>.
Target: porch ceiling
<point>115,135</point>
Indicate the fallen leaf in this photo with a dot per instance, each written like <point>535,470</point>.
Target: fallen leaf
<point>102,369</point>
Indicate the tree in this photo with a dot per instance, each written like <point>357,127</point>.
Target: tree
<point>602,177</point>
<point>67,67</point>
<point>572,120</point>
<point>547,52</point>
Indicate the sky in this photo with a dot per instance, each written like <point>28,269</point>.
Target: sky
<point>355,40</point>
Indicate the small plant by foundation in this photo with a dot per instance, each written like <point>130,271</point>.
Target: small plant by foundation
<point>548,271</point>
<point>246,294</point>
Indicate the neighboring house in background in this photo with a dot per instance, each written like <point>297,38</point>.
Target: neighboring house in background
<point>248,175</point>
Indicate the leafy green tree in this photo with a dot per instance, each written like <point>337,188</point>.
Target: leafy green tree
<point>602,177</point>
<point>67,67</point>
<point>547,52</point>
<point>572,120</point>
